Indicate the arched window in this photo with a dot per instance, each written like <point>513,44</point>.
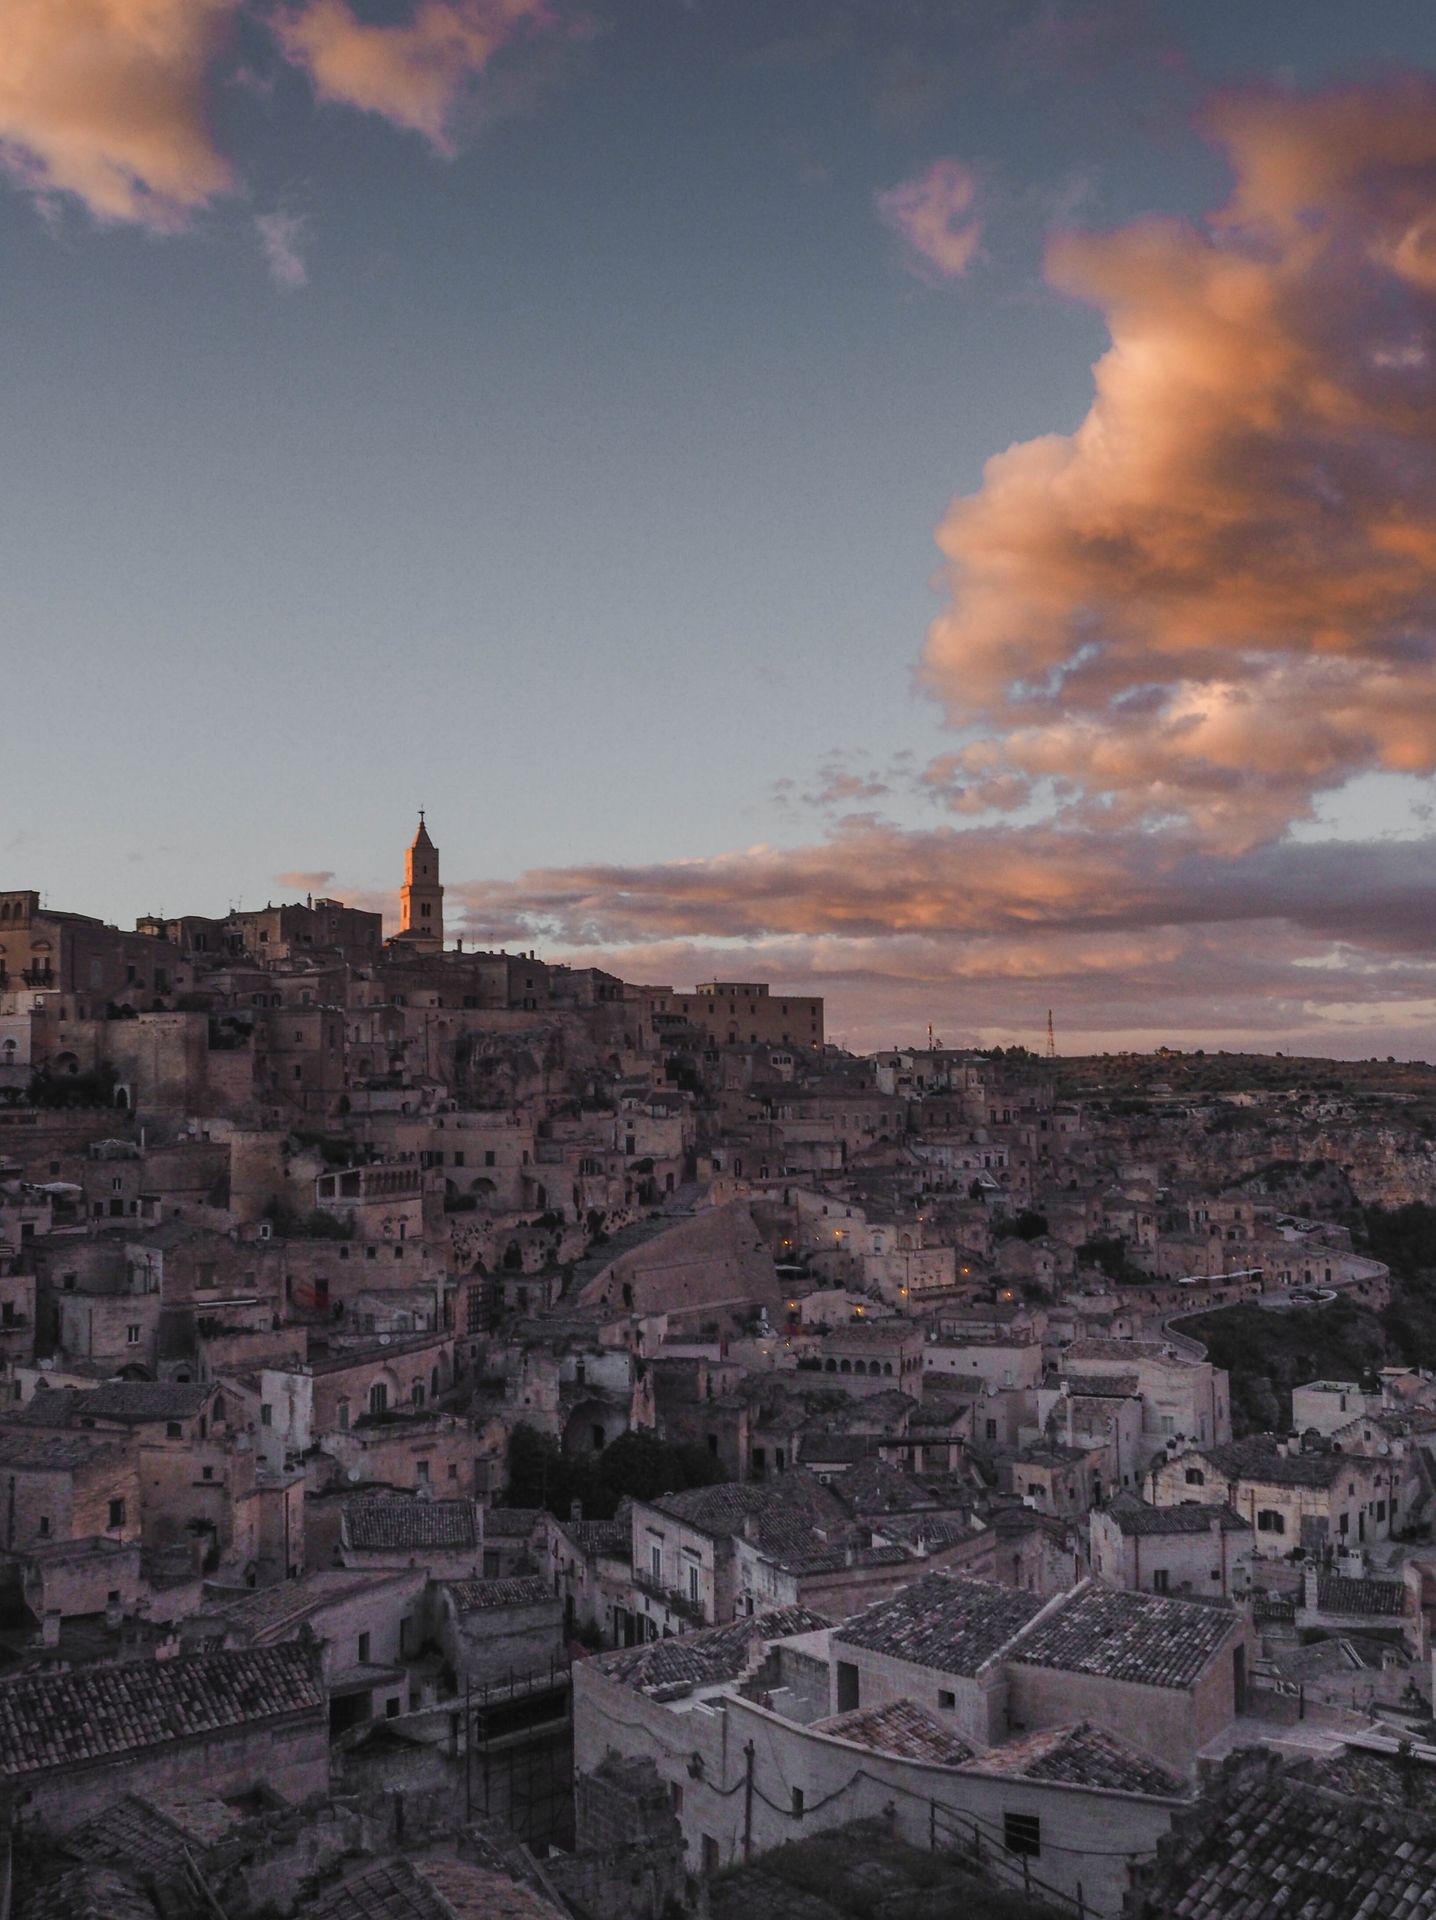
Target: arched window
<point>378,1397</point>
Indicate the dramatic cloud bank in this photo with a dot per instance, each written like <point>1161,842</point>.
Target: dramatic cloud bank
<point>1169,633</point>
<point>1216,598</point>
<point>413,72</point>
<point>983,928</point>
<point>105,99</point>
<point>933,214</point>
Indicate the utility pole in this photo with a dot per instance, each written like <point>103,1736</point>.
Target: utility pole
<point>1051,1037</point>
<point>748,1803</point>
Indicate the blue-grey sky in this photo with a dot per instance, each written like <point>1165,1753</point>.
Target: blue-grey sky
<point>544,415</point>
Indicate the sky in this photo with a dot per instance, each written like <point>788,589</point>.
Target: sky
<point>929,504</point>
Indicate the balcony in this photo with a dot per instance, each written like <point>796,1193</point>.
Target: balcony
<point>669,1597</point>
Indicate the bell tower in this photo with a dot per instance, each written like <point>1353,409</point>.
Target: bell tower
<point>421,912</point>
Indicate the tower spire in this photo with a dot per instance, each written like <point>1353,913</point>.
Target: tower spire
<point>421,899</point>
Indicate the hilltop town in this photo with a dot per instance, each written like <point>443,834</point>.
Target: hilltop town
<point>480,1436</point>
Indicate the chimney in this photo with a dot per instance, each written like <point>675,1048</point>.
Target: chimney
<point>50,1628</point>
<point>575,1510</point>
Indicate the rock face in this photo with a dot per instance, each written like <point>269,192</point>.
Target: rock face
<point>716,1263</point>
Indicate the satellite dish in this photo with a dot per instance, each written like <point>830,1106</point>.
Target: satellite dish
<point>352,1475</point>
<point>384,1339</point>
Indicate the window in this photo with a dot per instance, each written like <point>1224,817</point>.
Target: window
<point>207,1473</point>
<point>1269,1521</point>
<point>132,1336</point>
<point>1160,1580</point>
<point>378,1397</point>
<point>1022,1833</point>
<point>421,1467</point>
<point>946,1700</point>
<point>712,1858</point>
<point>655,1559</point>
<point>363,1649</point>
<point>344,1416</point>
<point>848,1688</point>
<point>117,1513</point>
<point>173,1430</point>
<point>1195,1477</point>
<point>695,1583</point>
<point>44,1526</point>
<point>204,1276</point>
<point>797,1803</point>
<point>489,1158</point>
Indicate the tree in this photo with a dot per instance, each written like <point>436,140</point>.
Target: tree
<point>638,1466</point>
<point>1025,1225</point>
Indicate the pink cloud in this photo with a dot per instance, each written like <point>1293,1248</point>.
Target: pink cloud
<point>105,100</point>
<point>1217,598</point>
<point>413,73</point>
<point>281,235</point>
<point>1134,937</point>
<point>934,216</point>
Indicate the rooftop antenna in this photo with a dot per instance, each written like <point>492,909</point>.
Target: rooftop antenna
<point>1051,1037</point>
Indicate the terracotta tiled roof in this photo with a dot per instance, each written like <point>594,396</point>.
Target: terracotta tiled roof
<point>411,1525</point>
<point>443,1889</point>
<point>1140,1637</point>
<point>127,1400</point>
<point>1336,1593</point>
<point>1285,1848</point>
<point>273,1613</point>
<point>51,1720</point>
<point>479,1596</point>
<point>1115,1350</point>
<point>873,1487</point>
<point>705,1659</point>
<point>1134,1516</point>
<point>1259,1459</point>
<point>1082,1756</point>
<point>943,1621</point>
<point>59,1452</point>
<point>724,1510</point>
<point>1108,1386</point>
<point>613,1538</point>
<point>88,1893</point>
<point>901,1727</point>
<point>512,1523</point>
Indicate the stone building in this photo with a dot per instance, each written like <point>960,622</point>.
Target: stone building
<point>74,1743</point>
